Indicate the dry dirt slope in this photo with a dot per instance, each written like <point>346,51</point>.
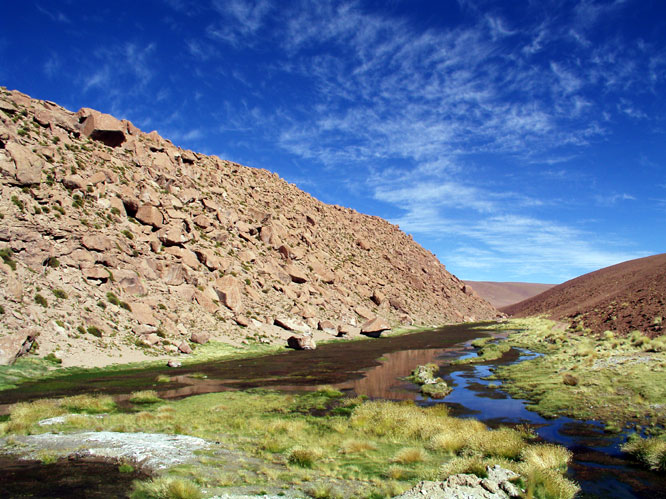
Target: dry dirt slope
<point>134,245</point>
<point>622,298</point>
<point>502,294</point>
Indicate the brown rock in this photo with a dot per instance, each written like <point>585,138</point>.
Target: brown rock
<point>203,221</point>
<point>96,178</point>
<point>363,244</point>
<point>143,314</point>
<point>345,330</point>
<point>96,272</point>
<point>149,215</point>
<point>200,338</point>
<point>375,327</point>
<point>229,292</point>
<point>173,235</point>
<point>129,281</point>
<point>290,324</point>
<point>27,165</point>
<point>174,363</point>
<point>97,242</point>
<point>185,347</point>
<point>15,345</point>
<point>378,297</point>
<point>364,312</point>
<point>206,303</point>
<point>301,342</point>
<point>101,127</point>
<point>296,274</point>
<point>174,274</point>
<point>241,320</point>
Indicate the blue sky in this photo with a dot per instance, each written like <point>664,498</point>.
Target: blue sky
<point>517,140</point>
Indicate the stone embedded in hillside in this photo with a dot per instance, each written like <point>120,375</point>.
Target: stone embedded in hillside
<point>97,242</point>
<point>375,327</point>
<point>173,235</point>
<point>174,274</point>
<point>345,330</point>
<point>290,324</point>
<point>148,214</point>
<point>205,302</point>
<point>28,166</point>
<point>364,312</point>
<point>378,297</point>
<point>200,338</point>
<point>210,205</point>
<point>129,281</point>
<point>327,327</point>
<point>228,290</point>
<point>324,274</point>
<point>174,363</point>
<point>143,314</point>
<point>296,274</point>
<point>363,244</point>
<point>185,347</point>
<point>302,342</point>
<point>96,272</point>
<point>15,345</point>
<point>210,259</point>
<point>247,255</point>
<point>241,320</point>
<point>202,221</point>
<point>397,303</point>
<point>101,127</point>
<point>97,178</point>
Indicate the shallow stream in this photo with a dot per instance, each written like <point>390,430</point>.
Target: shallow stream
<point>375,368</point>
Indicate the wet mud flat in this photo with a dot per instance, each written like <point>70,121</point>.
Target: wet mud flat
<point>330,364</point>
<point>83,478</point>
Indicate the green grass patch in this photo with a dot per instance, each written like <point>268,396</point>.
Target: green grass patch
<point>618,381</point>
<point>375,442</point>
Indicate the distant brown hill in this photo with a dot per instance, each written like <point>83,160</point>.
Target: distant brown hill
<point>625,297</point>
<point>502,294</point>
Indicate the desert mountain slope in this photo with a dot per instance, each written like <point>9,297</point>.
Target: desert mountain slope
<point>502,294</point>
<point>118,244</point>
<point>622,298</point>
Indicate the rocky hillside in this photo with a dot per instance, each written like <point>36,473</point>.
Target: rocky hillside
<point>502,294</point>
<point>622,298</point>
<point>116,244</point>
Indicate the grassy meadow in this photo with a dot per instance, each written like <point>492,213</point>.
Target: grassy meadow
<point>321,443</point>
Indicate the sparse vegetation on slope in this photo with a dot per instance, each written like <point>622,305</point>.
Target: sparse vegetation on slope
<point>150,244</point>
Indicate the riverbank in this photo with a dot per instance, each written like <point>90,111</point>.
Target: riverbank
<point>33,367</point>
<point>618,381</point>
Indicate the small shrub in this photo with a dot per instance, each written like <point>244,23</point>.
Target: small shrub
<point>126,468</point>
<point>101,304</point>
<point>113,299</point>
<point>59,293</point>
<point>410,455</point>
<point>53,262</point>
<point>40,300</point>
<point>303,457</point>
<point>2,310</point>
<point>651,452</point>
<point>6,255</point>
<point>128,234</point>
<point>95,331</point>
<point>89,404</point>
<point>145,397</point>
<point>165,488</point>
<point>78,201</point>
<point>125,305</point>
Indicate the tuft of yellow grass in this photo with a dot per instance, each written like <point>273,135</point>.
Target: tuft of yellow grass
<point>410,455</point>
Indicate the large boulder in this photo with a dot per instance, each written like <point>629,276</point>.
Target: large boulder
<point>101,127</point>
<point>27,168</point>
<point>375,327</point>
<point>15,345</point>
<point>302,342</point>
<point>147,214</point>
<point>228,290</point>
<point>296,274</point>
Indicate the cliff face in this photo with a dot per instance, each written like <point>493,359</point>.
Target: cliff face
<point>138,247</point>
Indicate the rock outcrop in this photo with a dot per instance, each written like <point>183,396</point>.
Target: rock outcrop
<point>134,244</point>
